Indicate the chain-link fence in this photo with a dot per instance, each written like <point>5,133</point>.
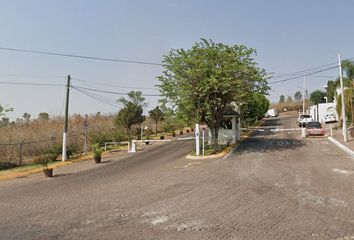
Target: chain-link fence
<point>23,152</point>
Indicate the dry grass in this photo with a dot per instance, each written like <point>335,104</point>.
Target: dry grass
<point>21,142</point>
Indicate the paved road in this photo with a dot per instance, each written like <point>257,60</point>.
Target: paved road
<point>273,186</point>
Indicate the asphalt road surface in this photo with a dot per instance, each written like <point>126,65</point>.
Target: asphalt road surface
<point>273,186</point>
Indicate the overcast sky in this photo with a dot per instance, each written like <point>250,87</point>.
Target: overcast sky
<point>289,36</point>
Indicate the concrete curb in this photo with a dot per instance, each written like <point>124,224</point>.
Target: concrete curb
<point>344,148</point>
<point>227,151</point>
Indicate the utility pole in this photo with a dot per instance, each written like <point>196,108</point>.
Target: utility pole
<point>63,158</point>
<point>343,106</point>
<point>303,96</point>
<point>85,127</point>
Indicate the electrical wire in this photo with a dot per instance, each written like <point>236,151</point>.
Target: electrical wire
<point>33,84</point>
<point>80,56</point>
<point>116,93</point>
<point>95,97</point>
<point>110,85</point>
<point>304,75</point>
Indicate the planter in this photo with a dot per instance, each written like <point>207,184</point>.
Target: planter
<point>98,159</point>
<point>187,130</point>
<point>162,137</point>
<point>147,143</point>
<point>192,129</point>
<point>48,172</point>
<point>173,134</point>
<point>181,133</point>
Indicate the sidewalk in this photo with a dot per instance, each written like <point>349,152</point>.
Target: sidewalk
<point>339,141</point>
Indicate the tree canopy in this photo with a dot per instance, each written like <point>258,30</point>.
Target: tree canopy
<point>156,115</point>
<point>132,112</point>
<point>204,80</point>
<point>282,99</point>
<point>298,96</point>
<point>317,97</point>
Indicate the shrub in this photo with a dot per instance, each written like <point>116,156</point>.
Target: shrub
<point>42,160</point>
<point>96,150</point>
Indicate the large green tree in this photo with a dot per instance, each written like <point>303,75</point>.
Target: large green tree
<point>317,97</point>
<point>282,99</point>
<point>204,80</point>
<point>132,111</point>
<point>156,115</point>
<point>129,115</point>
<point>256,106</point>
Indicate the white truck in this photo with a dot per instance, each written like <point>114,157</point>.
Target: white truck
<point>271,113</point>
<point>303,120</point>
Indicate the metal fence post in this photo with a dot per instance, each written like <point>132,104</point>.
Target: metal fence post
<point>20,147</point>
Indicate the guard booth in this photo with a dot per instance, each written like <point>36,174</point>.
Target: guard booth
<point>230,131</point>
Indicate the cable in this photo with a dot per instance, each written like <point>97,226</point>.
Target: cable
<point>309,74</point>
<point>117,93</point>
<point>31,75</point>
<point>80,56</point>
<point>96,98</point>
<point>33,84</point>
<point>300,75</point>
<point>103,98</point>
<point>109,85</point>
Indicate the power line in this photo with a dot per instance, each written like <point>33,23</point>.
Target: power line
<point>33,84</point>
<point>292,74</point>
<point>31,75</point>
<point>80,56</point>
<point>116,93</point>
<point>111,85</point>
<point>96,98</point>
<point>308,74</point>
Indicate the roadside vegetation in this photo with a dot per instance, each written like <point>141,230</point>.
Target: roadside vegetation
<point>198,85</point>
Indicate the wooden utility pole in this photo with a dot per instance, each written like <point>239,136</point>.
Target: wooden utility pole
<point>63,158</point>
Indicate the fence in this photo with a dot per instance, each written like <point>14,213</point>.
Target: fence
<point>23,152</point>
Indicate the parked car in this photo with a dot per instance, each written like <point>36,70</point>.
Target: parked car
<point>328,118</point>
<point>303,120</point>
<point>314,129</point>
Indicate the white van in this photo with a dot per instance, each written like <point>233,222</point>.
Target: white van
<point>271,113</point>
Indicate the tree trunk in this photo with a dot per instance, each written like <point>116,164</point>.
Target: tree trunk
<point>215,138</point>
<point>155,128</point>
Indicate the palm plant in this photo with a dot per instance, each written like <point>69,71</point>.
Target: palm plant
<point>348,68</point>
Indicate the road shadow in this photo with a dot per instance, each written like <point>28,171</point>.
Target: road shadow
<point>61,175</point>
<point>269,122</point>
<point>263,145</point>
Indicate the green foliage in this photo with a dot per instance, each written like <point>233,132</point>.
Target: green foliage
<point>26,117</point>
<point>255,107</point>
<point>54,152</point>
<point>43,160</point>
<point>317,97</point>
<point>134,97</point>
<point>72,150</point>
<point>107,136</point>
<point>132,113</point>
<point>96,150</point>
<point>129,115</point>
<point>204,80</point>
<point>4,121</point>
<point>282,99</point>
<point>43,116</point>
<point>298,96</point>
<point>156,115</point>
